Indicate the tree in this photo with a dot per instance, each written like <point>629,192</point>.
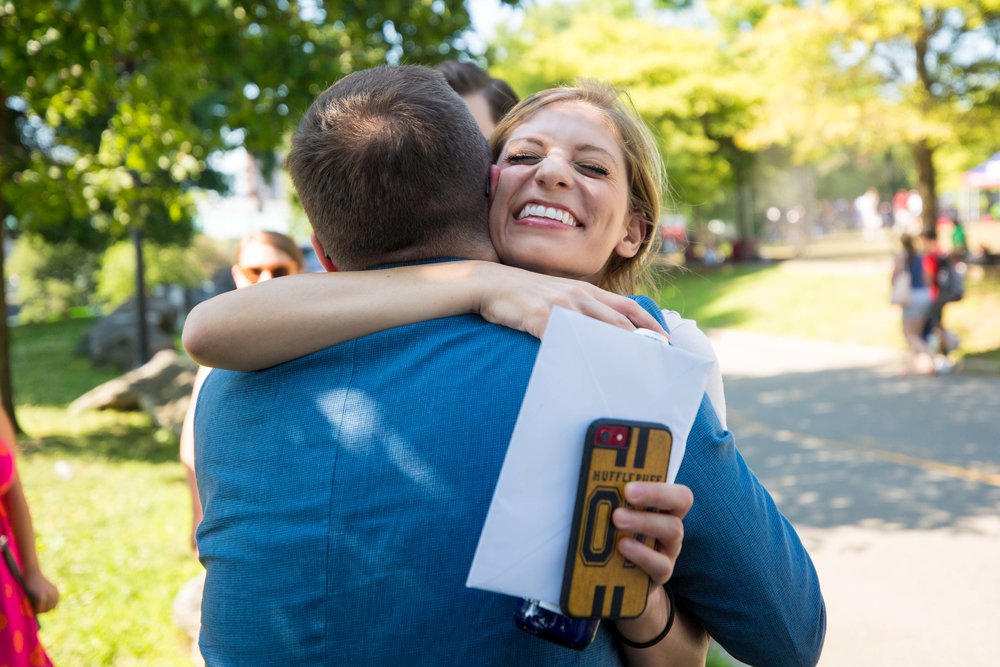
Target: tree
<point>52,278</point>
<point>110,109</point>
<point>872,75</point>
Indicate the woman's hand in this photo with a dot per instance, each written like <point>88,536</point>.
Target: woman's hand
<point>43,593</point>
<point>523,300</point>
<point>664,507</point>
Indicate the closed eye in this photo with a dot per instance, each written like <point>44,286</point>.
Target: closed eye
<point>521,158</point>
<point>594,169</point>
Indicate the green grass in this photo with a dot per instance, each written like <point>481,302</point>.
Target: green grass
<point>786,299</point>
<point>824,300</point>
<point>110,508</point>
<point>45,370</point>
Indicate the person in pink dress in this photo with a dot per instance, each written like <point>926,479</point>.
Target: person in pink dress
<point>24,590</point>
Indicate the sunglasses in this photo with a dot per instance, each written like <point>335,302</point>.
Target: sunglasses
<point>253,273</point>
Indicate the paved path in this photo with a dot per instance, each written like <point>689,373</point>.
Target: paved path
<point>893,483</point>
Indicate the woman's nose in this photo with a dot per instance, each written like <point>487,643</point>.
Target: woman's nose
<point>265,274</point>
<point>554,172</point>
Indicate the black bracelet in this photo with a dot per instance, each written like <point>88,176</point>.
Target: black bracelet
<point>658,638</point>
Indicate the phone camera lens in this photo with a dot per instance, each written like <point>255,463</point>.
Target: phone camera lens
<point>605,435</point>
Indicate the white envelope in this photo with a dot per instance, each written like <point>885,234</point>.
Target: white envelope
<point>585,370</point>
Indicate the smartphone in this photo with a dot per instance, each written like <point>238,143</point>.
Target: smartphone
<point>547,622</point>
<point>598,581</point>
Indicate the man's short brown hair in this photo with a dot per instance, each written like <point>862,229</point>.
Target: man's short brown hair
<point>463,77</point>
<point>468,79</point>
<point>390,166</point>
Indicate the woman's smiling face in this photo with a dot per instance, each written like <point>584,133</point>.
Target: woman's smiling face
<point>561,205</point>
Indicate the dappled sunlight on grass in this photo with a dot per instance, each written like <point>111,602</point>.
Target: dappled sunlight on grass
<point>111,436</point>
<point>827,301</point>
<point>112,536</point>
<point>45,369</point>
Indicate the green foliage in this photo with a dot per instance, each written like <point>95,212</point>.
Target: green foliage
<point>871,76</point>
<point>109,110</point>
<point>51,278</point>
<point>163,265</point>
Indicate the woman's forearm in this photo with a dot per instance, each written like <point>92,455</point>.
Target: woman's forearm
<point>20,523</point>
<point>279,320</point>
<point>17,504</point>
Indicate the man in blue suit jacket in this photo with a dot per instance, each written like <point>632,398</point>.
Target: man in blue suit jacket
<point>344,492</point>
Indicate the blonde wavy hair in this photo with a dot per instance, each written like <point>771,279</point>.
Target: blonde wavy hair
<point>646,176</point>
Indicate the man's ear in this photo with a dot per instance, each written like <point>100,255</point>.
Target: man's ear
<point>324,259</point>
<point>635,233</point>
<point>492,181</point>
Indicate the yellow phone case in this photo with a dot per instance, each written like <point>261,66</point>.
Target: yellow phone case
<point>598,581</point>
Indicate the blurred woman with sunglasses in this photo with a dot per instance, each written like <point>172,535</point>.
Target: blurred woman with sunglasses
<point>260,256</point>
<point>265,255</point>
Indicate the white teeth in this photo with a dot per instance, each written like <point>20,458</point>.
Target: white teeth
<point>549,212</point>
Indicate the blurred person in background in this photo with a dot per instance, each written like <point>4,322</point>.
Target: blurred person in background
<point>26,590</point>
<point>959,242</point>
<point>869,217</point>
<point>900,213</point>
<point>946,285</point>
<point>915,205</point>
<point>915,300</point>
<point>488,99</point>
<point>260,256</point>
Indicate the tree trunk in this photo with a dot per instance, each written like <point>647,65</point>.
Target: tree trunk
<point>141,324</point>
<point>923,155</point>
<point>6,385</point>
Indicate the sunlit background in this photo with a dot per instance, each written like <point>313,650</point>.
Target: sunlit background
<point>800,140</point>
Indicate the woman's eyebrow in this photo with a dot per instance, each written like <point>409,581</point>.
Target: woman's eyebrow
<point>590,148</point>
<point>530,140</point>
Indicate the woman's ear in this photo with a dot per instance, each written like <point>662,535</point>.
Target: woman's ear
<point>635,233</point>
<point>324,259</point>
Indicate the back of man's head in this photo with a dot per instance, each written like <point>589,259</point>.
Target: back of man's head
<point>390,166</point>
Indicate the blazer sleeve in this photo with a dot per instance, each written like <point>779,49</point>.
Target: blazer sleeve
<point>742,570</point>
